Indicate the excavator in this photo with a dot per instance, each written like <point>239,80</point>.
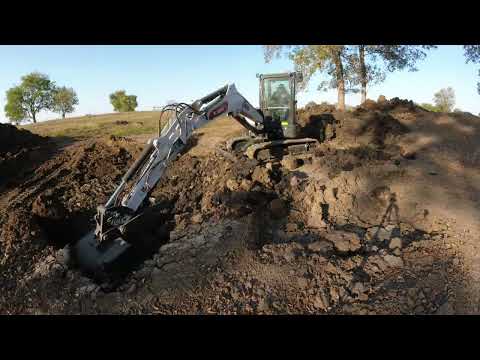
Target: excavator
<point>272,130</point>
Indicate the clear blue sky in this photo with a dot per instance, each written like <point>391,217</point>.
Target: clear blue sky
<point>157,74</point>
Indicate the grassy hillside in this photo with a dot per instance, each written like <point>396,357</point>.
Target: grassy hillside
<point>119,124</point>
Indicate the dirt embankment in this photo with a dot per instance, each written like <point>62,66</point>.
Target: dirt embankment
<point>20,153</point>
<point>358,227</point>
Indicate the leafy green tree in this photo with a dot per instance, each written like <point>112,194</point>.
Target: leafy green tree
<point>25,101</point>
<point>472,53</point>
<point>64,100</point>
<point>350,66</point>
<point>332,60</point>
<point>445,99</point>
<point>122,102</point>
<point>14,107</point>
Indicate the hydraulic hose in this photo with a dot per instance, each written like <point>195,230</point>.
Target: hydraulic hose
<point>133,169</point>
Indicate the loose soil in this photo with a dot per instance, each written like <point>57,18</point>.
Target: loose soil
<point>380,219</point>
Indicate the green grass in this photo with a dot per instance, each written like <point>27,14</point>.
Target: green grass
<point>138,123</point>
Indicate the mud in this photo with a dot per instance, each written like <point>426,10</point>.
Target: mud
<point>353,228</point>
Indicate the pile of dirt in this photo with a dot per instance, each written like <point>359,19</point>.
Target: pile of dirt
<point>369,128</point>
<point>12,139</point>
<point>370,123</point>
<point>384,105</point>
<point>355,228</point>
<point>20,152</point>
<point>57,203</point>
<point>318,121</point>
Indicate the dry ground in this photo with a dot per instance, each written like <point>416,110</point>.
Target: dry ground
<point>118,124</point>
<point>382,219</point>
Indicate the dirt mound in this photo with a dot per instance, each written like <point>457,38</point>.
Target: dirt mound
<point>12,139</point>
<point>56,205</point>
<point>372,127</point>
<point>20,152</point>
<point>355,228</point>
<point>317,121</point>
<point>395,104</point>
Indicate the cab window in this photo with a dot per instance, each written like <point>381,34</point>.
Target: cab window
<point>276,93</point>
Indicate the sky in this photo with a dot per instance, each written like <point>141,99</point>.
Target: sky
<point>157,74</point>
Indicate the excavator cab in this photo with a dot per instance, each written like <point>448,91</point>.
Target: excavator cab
<point>278,100</point>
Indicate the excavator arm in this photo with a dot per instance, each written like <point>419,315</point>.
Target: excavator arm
<point>98,250</point>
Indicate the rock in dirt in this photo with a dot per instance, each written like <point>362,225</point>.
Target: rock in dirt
<point>321,247</point>
<point>291,163</point>
<point>393,261</point>
<point>378,233</point>
<point>316,221</point>
<point>395,243</point>
<point>232,185</point>
<point>344,242</point>
<point>360,290</point>
<point>262,175</point>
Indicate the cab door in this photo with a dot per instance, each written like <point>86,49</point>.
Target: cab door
<point>277,100</point>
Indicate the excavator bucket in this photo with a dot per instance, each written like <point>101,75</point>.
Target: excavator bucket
<point>117,255</point>
<point>98,261</point>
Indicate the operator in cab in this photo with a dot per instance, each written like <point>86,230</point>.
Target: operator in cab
<point>281,96</point>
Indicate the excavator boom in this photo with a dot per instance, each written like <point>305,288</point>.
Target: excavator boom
<point>98,252</point>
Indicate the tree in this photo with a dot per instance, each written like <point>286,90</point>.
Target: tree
<point>472,53</point>
<point>350,66</point>
<point>64,100</point>
<point>14,109</point>
<point>371,63</point>
<point>332,60</point>
<point>445,99</point>
<point>122,102</point>
<point>25,101</point>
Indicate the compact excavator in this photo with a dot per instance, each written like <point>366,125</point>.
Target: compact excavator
<point>272,130</point>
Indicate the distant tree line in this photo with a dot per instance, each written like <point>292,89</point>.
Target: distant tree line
<point>36,92</point>
<point>349,68</point>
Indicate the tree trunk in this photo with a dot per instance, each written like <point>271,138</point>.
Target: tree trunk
<point>340,80</point>
<point>63,115</point>
<point>34,117</point>
<point>363,72</point>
